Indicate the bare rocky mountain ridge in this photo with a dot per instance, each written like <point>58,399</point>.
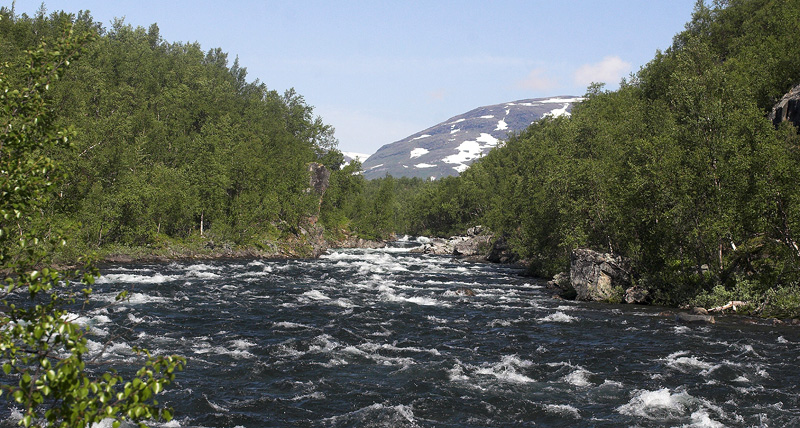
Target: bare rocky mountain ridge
<point>451,146</point>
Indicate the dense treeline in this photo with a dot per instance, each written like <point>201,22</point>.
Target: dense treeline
<point>172,141</point>
<point>679,169</point>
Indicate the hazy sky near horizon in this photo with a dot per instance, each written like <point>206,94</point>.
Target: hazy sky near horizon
<point>379,71</point>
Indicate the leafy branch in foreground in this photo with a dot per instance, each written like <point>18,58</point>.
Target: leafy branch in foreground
<point>42,351</point>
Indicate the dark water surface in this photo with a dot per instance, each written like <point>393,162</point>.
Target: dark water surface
<point>380,338</point>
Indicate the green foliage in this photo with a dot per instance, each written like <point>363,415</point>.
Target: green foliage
<point>678,170</point>
<point>173,141</point>
<point>41,350</point>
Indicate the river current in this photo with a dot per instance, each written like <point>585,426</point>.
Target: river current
<point>364,338</point>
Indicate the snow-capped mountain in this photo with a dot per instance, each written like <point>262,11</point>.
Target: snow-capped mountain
<point>351,156</point>
<point>451,146</point>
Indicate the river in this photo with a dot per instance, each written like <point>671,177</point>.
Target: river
<point>363,338</point>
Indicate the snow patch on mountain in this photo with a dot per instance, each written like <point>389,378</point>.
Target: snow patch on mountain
<point>559,111</point>
<point>488,139</point>
<point>419,151</point>
<point>351,156</point>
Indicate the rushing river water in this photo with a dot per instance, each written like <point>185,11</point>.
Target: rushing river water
<point>381,338</point>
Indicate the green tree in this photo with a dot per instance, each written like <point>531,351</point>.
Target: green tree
<point>42,352</point>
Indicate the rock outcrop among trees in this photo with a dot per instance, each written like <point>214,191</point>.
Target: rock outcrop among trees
<point>787,109</point>
<point>599,276</point>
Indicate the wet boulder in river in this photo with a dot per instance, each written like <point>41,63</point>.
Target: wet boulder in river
<point>683,317</point>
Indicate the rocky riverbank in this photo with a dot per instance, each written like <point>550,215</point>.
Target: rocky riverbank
<point>310,242</point>
<point>478,245</point>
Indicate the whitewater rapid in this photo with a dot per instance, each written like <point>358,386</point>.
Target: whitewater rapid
<point>384,338</point>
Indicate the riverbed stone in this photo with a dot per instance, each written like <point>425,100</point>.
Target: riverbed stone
<point>599,276</point>
<point>637,295</point>
<point>683,317</point>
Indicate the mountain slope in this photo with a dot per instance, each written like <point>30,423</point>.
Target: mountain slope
<point>451,146</point>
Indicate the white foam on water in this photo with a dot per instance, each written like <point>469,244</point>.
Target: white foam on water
<point>388,294</point>
<point>133,298</point>
<point>745,348</point>
<point>105,423</point>
<point>314,396</point>
<point>657,405</point>
<point>134,319</point>
<point>242,344</point>
<point>373,347</point>
<point>562,409</point>
<point>316,295</point>
<point>221,350</point>
<point>113,278</point>
<point>679,361</point>
<point>579,377</point>
<point>287,324</point>
<point>558,317</point>
<point>375,415</point>
<point>701,419</point>
<point>109,349</point>
<point>344,303</point>
<point>89,323</point>
<point>456,374</point>
<point>681,329</point>
<point>499,322</point>
<point>506,370</point>
<point>436,319</point>
<point>126,269</point>
<point>201,274</point>
<point>215,406</point>
<point>612,383</point>
<point>141,298</point>
<point>323,344</point>
<point>201,266</point>
<point>781,339</point>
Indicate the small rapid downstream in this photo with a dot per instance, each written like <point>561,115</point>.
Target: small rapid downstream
<point>380,338</point>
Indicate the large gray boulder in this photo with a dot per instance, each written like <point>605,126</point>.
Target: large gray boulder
<point>501,252</point>
<point>470,246</point>
<point>599,276</point>
<point>787,109</point>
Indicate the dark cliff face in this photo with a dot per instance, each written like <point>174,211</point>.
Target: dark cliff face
<point>787,109</point>
<point>451,146</point>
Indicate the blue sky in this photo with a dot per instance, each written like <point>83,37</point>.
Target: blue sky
<point>379,71</point>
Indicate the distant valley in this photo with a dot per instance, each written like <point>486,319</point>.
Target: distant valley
<point>450,147</point>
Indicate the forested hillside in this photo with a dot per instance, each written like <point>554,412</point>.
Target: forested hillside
<point>680,169</point>
<point>172,142</point>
